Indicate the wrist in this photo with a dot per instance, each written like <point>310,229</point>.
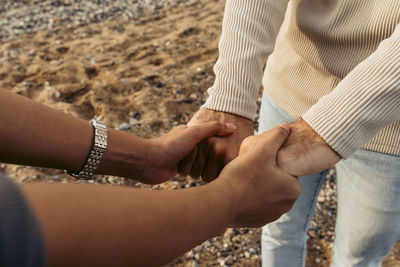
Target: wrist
<point>206,115</point>
<point>225,197</point>
<point>126,155</point>
<point>311,134</point>
<point>231,192</point>
<point>301,126</point>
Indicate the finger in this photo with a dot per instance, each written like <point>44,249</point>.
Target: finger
<point>213,167</point>
<point>200,161</point>
<point>217,159</point>
<point>205,130</point>
<point>276,138</point>
<point>185,165</point>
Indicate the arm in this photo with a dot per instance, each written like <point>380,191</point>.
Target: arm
<point>104,225</point>
<point>248,36</point>
<point>34,134</point>
<point>362,104</point>
<point>114,226</point>
<point>249,31</point>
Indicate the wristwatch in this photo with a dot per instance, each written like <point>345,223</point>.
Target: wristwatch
<point>95,155</point>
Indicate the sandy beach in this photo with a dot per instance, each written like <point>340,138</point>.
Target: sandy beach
<point>143,73</point>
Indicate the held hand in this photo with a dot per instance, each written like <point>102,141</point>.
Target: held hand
<point>171,148</point>
<point>263,190</point>
<point>305,152</point>
<point>208,159</point>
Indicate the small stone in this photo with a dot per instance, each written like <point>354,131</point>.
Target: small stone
<point>57,95</point>
<point>229,260</point>
<point>159,84</point>
<point>55,178</point>
<point>246,254</point>
<point>133,121</point>
<point>124,80</point>
<point>252,251</point>
<point>124,126</point>
<point>28,85</point>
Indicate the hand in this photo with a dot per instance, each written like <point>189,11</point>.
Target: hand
<point>305,152</point>
<point>208,159</point>
<point>263,190</point>
<point>171,148</point>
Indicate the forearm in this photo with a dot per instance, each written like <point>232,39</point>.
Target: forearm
<point>34,134</point>
<point>366,101</point>
<point>248,36</point>
<point>114,226</point>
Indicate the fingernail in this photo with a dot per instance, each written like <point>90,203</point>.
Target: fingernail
<point>230,126</point>
<point>285,126</point>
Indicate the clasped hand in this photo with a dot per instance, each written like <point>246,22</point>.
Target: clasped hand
<point>303,153</point>
<point>260,171</point>
<point>259,160</point>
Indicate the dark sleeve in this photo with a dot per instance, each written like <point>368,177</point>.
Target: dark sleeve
<point>21,242</point>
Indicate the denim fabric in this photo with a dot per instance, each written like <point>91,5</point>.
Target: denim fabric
<point>21,243</point>
<point>368,217</point>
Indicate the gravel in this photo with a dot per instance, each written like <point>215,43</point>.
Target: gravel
<point>27,17</point>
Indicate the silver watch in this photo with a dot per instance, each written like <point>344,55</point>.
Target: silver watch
<point>96,152</point>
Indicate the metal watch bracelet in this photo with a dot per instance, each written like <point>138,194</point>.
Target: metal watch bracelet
<point>96,152</point>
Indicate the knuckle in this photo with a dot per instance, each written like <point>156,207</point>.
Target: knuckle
<point>282,132</point>
<point>215,124</point>
<point>246,142</point>
<point>219,148</point>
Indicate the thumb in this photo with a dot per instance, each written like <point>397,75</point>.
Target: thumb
<point>248,143</point>
<point>209,129</point>
<point>276,137</point>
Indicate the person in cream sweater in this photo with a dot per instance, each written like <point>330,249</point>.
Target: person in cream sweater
<point>332,69</point>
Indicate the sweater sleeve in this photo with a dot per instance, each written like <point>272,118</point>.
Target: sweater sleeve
<point>21,241</point>
<point>363,103</point>
<point>249,31</point>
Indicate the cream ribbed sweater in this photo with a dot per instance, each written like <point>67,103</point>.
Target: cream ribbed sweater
<point>335,63</point>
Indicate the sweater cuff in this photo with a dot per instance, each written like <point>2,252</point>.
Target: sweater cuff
<point>333,131</point>
<point>366,101</point>
<point>227,102</point>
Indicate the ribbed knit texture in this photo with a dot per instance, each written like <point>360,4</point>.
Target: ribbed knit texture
<point>21,242</point>
<point>334,63</point>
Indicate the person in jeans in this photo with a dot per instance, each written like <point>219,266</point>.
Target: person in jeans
<point>332,69</point>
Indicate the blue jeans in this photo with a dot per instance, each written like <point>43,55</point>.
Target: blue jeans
<point>368,217</point>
